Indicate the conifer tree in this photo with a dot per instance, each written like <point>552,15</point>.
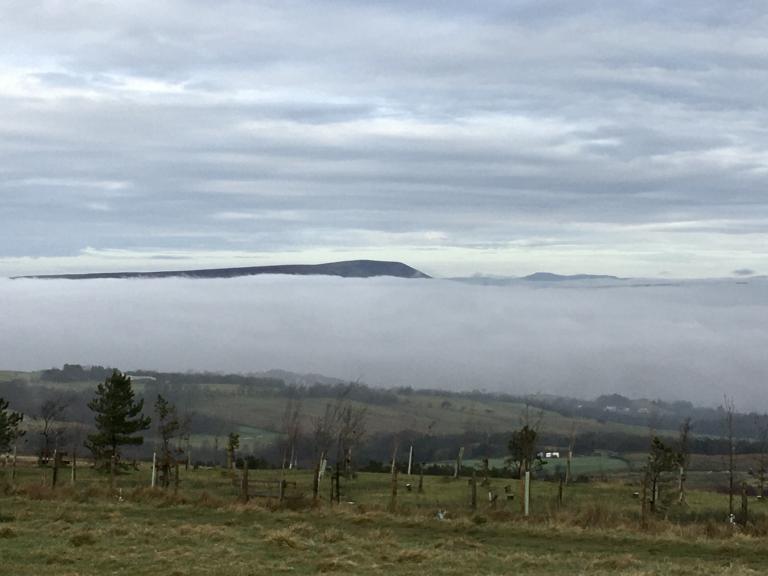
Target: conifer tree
<point>118,418</point>
<point>9,426</point>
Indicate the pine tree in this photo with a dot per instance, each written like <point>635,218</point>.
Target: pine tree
<point>9,426</point>
<point>118,418</point>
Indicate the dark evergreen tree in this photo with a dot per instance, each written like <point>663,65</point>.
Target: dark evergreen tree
<point>118,418</point>
<point>9,426</point>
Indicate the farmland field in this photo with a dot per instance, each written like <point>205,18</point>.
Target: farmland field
<point>205,529</point>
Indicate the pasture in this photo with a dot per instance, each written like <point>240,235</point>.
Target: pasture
<point>204,528</point>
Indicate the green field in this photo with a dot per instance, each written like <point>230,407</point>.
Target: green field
<point>416,411</point>
<point>591,465</point>
<point>205,529</point>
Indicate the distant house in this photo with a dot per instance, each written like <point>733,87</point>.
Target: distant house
<point>549,454</point>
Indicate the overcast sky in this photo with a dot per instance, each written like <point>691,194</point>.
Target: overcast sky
<point>502,137</point>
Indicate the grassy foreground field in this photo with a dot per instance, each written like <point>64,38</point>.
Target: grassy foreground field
<point>204,530</point>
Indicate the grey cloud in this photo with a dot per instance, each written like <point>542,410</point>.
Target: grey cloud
<point>691,341</point>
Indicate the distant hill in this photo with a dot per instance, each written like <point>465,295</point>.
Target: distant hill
<point>550,277</point>
<point>482,280</point>
<point>347,269</point>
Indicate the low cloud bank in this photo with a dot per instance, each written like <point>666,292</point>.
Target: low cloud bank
<point>693,341</point>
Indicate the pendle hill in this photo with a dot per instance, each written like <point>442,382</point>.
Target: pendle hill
<point>346,269</point>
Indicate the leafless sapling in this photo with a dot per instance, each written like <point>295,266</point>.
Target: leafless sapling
<point>50,419</point>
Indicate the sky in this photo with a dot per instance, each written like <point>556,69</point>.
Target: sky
<point>460,137</point>
<point>694,341</point>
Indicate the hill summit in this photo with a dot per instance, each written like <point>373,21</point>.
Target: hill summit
<point>346,269</point>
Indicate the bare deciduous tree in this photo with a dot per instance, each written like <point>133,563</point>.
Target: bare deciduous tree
<point>729,410</point>
<point>661,459</point>
<point>169,427</point>
<point>51,417</point>
<point>684,457</point>
<point>342,424</point>
<point>760,472</point>
<point>571,446</point>
<point>351,431</point>
<point>291,429</point>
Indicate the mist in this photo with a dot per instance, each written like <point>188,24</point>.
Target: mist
<point>690,341</point>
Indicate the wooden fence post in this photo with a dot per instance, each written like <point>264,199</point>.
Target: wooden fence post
<point>55,473</point>
<point>527,493</point>
<point>176,476</point>
<point>338,485</point>
<point>744,504</point>
<point>560,491</point>
<point>644,502</point>
<point>316,479</point>
<point>459,458</point>
<point>244,482</point>
<point>410,460</point>
<point>473,490</point>
<point>153,481</point>
<point>13,465</point>
<point>112,462</point>
<point>421,478</point>
<point>393,497</point>
<point>73,471</point>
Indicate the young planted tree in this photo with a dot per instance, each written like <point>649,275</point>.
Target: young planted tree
<point>291,429</point>
<point>571,446</point>
<point>760,472</point>
<point>683,458</point>
<point>522,445</point>
<point>118,418</point>
<point>661,459</point>
<point>9,426</point>
<point>351,430</point>
<point>342,424</point>
<point>50,417</point>
<point>324,432</point>
<point>169,427</point>
<point>522,449</point>
<point>233,443</point>
<point>729,410</point>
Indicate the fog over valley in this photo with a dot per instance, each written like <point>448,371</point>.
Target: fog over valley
<point>694,340</point>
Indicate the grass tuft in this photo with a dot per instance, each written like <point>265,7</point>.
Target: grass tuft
<point>82,539</point>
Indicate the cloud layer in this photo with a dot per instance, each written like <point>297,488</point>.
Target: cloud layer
<point>507,137</point>
<point>694,341</point>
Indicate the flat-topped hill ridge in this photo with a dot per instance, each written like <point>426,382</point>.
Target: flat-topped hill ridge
<point>345,269</point>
